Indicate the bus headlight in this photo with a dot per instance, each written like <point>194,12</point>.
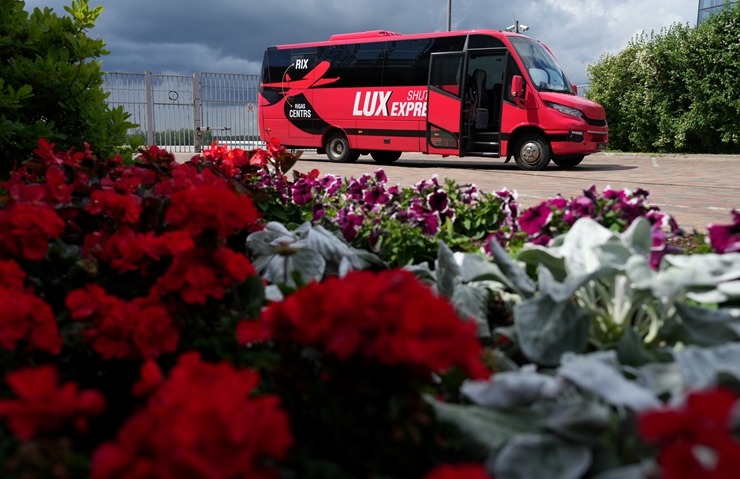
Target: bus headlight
<point>565,109</point>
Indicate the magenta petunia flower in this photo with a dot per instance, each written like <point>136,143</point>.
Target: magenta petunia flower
<point>725,238</point>
<point>534,219</point>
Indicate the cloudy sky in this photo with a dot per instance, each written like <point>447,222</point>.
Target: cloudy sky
<point>229,36</point>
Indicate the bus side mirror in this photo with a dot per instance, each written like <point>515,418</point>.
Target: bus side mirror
<point>517,86</point>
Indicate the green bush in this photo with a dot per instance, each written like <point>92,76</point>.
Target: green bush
<point>675,91</point>
<point>51,83</point>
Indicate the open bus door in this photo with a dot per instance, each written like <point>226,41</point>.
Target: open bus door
<point>444,107</point>
<point>481,118</point>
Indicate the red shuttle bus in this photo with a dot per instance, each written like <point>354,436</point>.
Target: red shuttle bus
<point>473,93</point>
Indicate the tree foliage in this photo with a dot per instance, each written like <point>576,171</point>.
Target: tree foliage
<point>674,91</point>
<point>51,82</point>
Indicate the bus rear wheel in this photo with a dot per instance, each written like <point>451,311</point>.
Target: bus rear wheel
<point>385,157</point>
<point>338,150</point>
<point>532,152</point>
<point>568,161</point>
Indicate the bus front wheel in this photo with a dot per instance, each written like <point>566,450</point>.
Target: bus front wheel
<point>338,150</point>
<point>385,157</point>
<point>532,152</point>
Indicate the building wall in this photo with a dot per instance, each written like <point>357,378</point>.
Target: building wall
<point>708,7</point>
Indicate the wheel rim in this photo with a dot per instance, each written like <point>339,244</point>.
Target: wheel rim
<point>531,152</point>
<point>337,148</point>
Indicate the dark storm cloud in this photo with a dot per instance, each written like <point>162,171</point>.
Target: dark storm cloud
<point>187,36</point>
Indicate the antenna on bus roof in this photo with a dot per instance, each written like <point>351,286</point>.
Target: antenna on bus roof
<point>517,27</point>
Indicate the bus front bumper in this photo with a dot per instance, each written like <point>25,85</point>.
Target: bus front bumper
<point>578,142</point>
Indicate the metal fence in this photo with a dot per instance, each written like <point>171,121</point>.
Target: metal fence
<point>183,113</point>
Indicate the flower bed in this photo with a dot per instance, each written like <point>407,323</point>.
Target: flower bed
<point>217,319</point>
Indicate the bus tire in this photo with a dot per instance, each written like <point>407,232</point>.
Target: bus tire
<point>338,150</point>
<point>568,161</point>
<point>385,157</point>
<point>532,152</point>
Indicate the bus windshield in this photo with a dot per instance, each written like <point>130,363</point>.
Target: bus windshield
<point>544,70</point>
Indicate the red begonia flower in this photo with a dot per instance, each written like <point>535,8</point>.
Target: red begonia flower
<point>203,421</point>
<point>388,317</point>
<point>43,405</point>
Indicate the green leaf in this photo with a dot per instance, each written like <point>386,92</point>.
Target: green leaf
<point>547,329</point>
<point>489,427</point>
<point>707,327</point>
<point>512,389</point>
<point>664,379</point>
<point>471,302</point>
<point>632,471</point>
<point>700,367</point>
<point>597,374</point>
<point>582,422</point>
<point>541,456</point>
<point>448,271</point>
<point>520,281</point>
<point>639,236</point>
<point>330,247</point>
<point>631,350</point>
<point>697,272</point>
<point>538,255</point>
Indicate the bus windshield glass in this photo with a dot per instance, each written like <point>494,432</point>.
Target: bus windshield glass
<point>544,70</point>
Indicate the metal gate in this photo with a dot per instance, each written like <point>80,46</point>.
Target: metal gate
<point>183,113</point>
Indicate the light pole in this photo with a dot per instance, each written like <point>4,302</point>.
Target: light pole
<point>449,15</point>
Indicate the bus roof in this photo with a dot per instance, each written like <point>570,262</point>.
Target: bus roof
<point>378,35</point>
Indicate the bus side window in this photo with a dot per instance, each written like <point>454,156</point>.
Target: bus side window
<point>446,74</point>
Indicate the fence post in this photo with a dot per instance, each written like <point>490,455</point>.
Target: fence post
<point>197,130</point>
<point>149,108</point>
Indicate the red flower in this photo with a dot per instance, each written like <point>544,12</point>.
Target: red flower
<point>696,439</point>
<point>210,207</point>
<point>151,379</point>
<point>27,319</point>
<point>11,275</point>
<point>45,406</point>
<point>198,275</point>
<point>227,161</point>
<point>56,186</point>
<point>258,158</point>
<point>202,422</point>
<point>130,179</point>
<point>22,192</point>
<point>275,147</point>
<point>118,329</point>
<point>458,471</point>
<point>47,153</point>
<point>157,155</point>
<point>388,317</point>
<point>128,251</point>
<point>26,230</point>
<point>187,176</point>
<point>124,208</point>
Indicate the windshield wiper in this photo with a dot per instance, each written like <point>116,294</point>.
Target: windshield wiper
<point>561,90</point>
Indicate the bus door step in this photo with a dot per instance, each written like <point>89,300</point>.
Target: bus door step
<point>492,154</point>
<point>488,146</point>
